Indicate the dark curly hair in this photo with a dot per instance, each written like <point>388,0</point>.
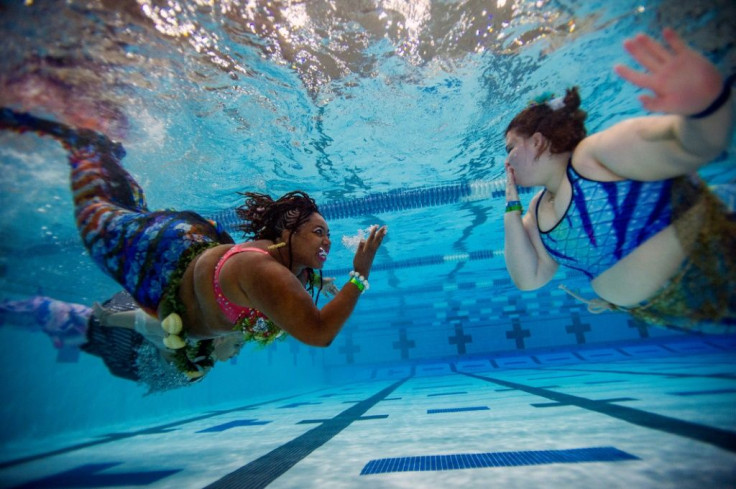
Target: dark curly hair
<point>265,218</point>
<point>564,127</point>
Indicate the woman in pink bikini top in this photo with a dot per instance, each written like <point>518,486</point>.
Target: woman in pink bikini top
<point>232,311</point>
<point>265,287</point>
<point>254,324</point>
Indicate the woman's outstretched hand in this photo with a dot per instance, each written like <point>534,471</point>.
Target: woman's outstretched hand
<point>367,250</point>
<point>683,81</point>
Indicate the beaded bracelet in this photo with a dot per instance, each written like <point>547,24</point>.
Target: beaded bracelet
<point>359,281</point>
<point>719,101</point>
<point>514,205</point>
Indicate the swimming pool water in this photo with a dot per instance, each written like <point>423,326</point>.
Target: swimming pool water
<point>630,415</point>
<point>380,110</point>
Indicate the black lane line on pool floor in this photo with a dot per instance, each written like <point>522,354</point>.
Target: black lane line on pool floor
<point>654,373</point>
<point>264,470</point>
<point>164,428</point>
<point>714,436</point>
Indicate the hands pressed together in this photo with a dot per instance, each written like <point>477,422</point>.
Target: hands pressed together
<point>512,192</point>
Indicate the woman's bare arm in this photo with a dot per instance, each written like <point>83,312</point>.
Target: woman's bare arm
<point>277,293</point>
<point>683,83</point>
<point>527,261</point>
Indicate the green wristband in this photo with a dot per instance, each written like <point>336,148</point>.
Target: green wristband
<point>514,205</point>
<point>357,283</point>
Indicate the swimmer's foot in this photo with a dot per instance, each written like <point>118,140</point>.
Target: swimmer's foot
<point>24,122</point>
<point>102,314</point>
<point>82,139</point>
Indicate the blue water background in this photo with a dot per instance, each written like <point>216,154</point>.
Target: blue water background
<point>198,130</point>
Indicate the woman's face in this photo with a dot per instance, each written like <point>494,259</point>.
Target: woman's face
<point>522,155</point>
<point>311,242</point>
<point>518,153</point>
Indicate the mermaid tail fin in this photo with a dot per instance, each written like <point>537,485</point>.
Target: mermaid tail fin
<point>72,139</point>
<point>102,157</point>
<point>22,122</point>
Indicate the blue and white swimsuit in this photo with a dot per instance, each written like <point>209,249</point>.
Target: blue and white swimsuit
<point>605,221</point>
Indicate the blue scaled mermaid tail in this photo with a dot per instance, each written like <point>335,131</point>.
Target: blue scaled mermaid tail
<point>141,249</point>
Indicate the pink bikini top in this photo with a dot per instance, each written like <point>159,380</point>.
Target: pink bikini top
<point>233,312</point>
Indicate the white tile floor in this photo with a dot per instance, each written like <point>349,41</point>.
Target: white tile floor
<point>671,408</point>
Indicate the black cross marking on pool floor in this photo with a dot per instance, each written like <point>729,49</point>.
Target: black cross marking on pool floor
<point>518,334</point>
<point>578,328</point>
<point>404,344</point>
<point>460,339</point>
<point>349,349</point>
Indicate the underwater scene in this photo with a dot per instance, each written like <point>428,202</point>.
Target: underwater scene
<point>444,371</point>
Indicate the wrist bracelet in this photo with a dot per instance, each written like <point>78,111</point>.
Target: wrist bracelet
<point>514,205</point>
<point>359,281</point>
<point>719,102</point>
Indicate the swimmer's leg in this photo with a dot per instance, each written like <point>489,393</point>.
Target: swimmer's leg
<point>109,206</point>
<point>141,250</point>
<point>64,322</point>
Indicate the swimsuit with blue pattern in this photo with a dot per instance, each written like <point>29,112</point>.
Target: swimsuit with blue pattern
<point>605,221</point>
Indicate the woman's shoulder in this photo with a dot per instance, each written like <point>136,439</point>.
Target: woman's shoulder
<point>206,261</point>
<point>240,252</point>
<point>585,164</point>
<point>214,253</point>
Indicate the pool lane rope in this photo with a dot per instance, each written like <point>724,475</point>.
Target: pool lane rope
<point>398,200</point>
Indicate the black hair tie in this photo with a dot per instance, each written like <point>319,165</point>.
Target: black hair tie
<point>719,101</point>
